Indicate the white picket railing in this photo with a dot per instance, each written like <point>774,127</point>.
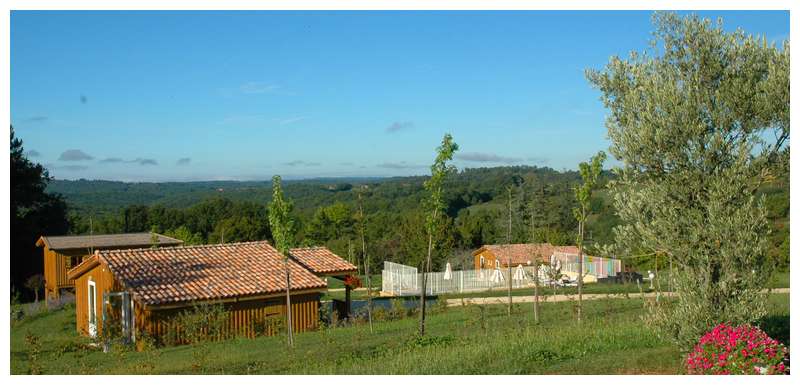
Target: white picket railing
<point>406,280</point>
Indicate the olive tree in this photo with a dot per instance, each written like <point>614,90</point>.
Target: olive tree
<point>696,122</point>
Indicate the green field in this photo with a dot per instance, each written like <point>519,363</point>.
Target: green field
<point>779,280</point>
<point>611,340</point>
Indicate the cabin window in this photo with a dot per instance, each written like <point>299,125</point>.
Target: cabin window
<point>92,290</point>
<point>483,262</point>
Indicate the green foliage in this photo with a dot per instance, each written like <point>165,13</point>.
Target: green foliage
<point>590,172</point>
<point>475,202</point>
<point>34,212</point>
<point>280,221</point>
<point>202,323</point>
<point>34,351</point>
<point>688,122</point>
<point>434,204</point>
<point>183,233</point>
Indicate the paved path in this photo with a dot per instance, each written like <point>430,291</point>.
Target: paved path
<point>562,297</point>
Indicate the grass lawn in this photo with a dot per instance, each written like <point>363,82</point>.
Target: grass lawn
<point>779,280</point>
<point>469,340</point>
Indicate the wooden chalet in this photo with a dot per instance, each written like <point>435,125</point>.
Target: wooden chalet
<point>155,285</point>
<point>62,253</point>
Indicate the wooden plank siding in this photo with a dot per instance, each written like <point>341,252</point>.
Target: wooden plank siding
<point>56,266</point>
<point>104,283</point>
<point>242,315</point>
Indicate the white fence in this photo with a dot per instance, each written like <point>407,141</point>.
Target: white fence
<point>404,280</point>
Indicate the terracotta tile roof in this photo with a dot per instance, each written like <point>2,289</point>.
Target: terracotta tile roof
<point>100,241</point>
<point>178,274</point>
<point>566,249</point>
<point>520,253</point>
<point>320,260</point>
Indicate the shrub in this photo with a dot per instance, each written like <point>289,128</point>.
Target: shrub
<point>204,322</point>
<point>34,351</point>
<point>740,350</point>
<point>398,309</point>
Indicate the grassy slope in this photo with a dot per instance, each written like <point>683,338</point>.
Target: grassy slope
<point>779,280</point>
<point>612,339</point>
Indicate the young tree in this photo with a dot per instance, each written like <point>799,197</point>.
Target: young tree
<point>590,172</point>
<point>535,260</point>
<point>696,125</point>
<point>154,241</point>
<point>283,233</point>
<point>362,229</point>
<point>435,206</point>
<point>510,190</point>
<point>34,283</point>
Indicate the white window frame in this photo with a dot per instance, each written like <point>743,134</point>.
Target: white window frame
<point>92,304</point>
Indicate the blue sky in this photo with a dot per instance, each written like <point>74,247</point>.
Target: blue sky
<point>174,96</point>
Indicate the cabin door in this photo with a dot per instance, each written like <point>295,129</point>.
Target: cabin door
<point>92,309</point>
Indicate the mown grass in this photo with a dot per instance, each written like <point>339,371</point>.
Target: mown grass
<point>469,340</point>
<point>779,280</point>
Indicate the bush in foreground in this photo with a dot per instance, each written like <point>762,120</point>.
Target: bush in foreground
<point>737,350</point>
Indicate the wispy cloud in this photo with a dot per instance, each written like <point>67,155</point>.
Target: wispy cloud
<point>36,119</point>
<point>145,161</point>
<point>538,160</point>
<point>33,154</point>
<point>73,167</point>
<point>481,157</point>
<point>303,163</point>
<point>284,122</point>
<point>184,161</point>
<point>399,126</point>
<point>258,88</point>
<point>140,161</point>
<point>400,165</point>
<point>74,156</point>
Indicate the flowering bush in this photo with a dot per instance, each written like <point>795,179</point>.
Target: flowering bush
<point>352,282</point>
<point>741,350</point>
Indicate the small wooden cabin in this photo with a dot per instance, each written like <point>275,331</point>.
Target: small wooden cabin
<point>248,279</point>
<point>500,256</point>
<point>62,253</point>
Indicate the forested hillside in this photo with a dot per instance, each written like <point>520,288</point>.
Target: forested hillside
<point>477,201</point>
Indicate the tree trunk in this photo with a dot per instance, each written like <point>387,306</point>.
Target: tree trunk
<point>288,304</point>
<point>369,284</point>
<point>580,269</point>
<point>536,292</point>
<point>426,266</point>
<point>510,279</point>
